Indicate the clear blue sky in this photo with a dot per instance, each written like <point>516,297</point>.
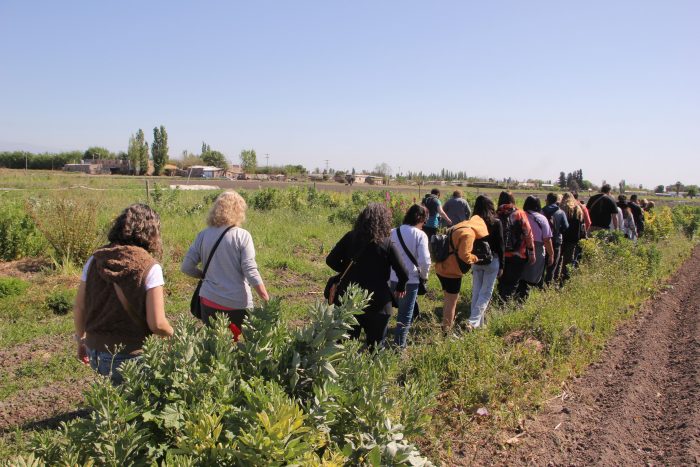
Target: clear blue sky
<point>496,88</point>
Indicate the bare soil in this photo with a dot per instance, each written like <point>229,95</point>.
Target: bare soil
<point>23,268</point>
<point>639,405</point>
<point>44,406</point>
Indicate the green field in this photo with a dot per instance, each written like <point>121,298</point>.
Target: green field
<point>510,368</point>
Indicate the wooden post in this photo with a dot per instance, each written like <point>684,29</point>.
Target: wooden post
<point>148,193</point>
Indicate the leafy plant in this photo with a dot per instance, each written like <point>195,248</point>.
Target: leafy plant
<point>19,236</point>
<point>60,302</point>
<point>12,286</point>
<point>307,397</point>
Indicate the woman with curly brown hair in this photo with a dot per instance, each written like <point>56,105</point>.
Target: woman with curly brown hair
<point>367,255</point>
<point>232,270</point>
<point>120,297</point>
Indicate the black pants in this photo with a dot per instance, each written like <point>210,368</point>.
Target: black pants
<point>234,316</point>
<point>553,272</point>
<point>512,272</point>
<point>568,253</point>
<point>375,325</point>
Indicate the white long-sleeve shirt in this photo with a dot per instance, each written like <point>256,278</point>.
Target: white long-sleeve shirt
<point>417,243</point>
<point>232,270</point>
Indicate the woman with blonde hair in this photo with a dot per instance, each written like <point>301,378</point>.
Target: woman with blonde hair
<point>572,235</point>
<point>120,296</point>
<point>232,268</point>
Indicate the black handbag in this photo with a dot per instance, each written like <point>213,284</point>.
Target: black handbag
<point>421,282</point>
<point>195,305</point>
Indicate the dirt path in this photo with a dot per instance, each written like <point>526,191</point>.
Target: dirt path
<point>640,404</point>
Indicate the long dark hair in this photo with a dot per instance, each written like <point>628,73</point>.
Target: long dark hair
<point>372,225</point>
<point>415,215</point>
<point>506,197</point>
<point>137,225</point>
<point>532,204</point>
<point>484,208</point>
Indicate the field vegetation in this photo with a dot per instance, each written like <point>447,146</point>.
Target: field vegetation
<point>290,391</point>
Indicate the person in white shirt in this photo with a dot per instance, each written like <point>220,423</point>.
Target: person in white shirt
<point>415,242</point>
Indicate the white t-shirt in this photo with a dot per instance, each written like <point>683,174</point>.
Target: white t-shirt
<point>153,279</point>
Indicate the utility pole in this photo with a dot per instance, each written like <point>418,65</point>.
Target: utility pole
<point>267,158</point>
<point>326,165</point>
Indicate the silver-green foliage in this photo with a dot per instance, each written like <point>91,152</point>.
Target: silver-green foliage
<point>279,397</point>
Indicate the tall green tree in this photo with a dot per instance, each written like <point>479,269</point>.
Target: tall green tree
<point>96,152</point>
<point>159,149</point>
<point>215,159</point>
<point>249,160</point>
<point>138,153</point>
<point>205,148</point>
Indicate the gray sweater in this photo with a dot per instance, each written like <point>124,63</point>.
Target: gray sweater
<point>232,270</point>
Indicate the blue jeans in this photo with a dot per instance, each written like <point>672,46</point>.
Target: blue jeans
<point>405,316</point>
<point>108,364</point>
<point>484,278</point>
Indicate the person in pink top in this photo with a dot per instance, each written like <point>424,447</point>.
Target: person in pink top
<point>533,275</point>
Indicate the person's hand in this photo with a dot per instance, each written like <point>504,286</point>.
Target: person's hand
<point>532,259</point>
<point>400,294</point>
<point>550,260</point>
<point>82,354</point>
<point>500,273</point>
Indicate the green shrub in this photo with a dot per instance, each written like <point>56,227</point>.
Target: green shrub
<point>278,397</point>
<point>658,224</point>
<point>12,286</point>
<point>19,236</point>
<point>60,302</point>
<point>69,225</point>
<point>687,219</point>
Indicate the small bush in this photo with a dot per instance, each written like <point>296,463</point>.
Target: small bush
<point>19,236</point>
<point>69,225</point>
<point>658,224</point>
<point>60,302</point>
<point>12,286</point>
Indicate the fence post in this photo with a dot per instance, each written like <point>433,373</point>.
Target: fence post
<point>148,193</point>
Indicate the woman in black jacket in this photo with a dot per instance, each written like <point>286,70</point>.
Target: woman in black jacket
<point>369,247</point>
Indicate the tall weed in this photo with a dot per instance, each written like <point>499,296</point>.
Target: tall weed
<point>19,236</point>
<point>69,225</point>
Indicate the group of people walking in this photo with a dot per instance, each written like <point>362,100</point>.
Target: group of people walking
<point>120,298</point>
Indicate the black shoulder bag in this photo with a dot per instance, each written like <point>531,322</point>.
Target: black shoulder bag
<point>421,281</point>
<point>195,306</point>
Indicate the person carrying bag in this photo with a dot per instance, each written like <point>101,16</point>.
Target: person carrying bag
<point>412,244</point>
<point>195,302</point>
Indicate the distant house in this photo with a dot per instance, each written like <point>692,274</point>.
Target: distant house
<point>205,171</point>
<point>373,180</point>
<point>90,169</point>
<point>170,170</point>
<point>361,178</point>
<point>234,171</point>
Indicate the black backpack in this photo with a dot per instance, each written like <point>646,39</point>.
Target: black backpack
<point>430,202</point>
<point>512,232</point>
<point>482,250</point>
<point>441,247</point>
